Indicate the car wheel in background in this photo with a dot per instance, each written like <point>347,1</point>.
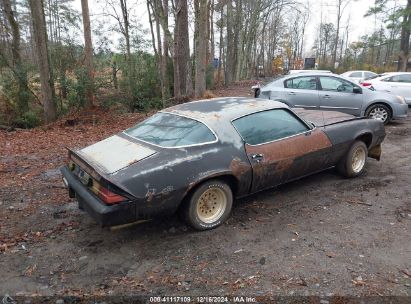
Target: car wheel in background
<point>353,163</point>
<point>209,205</point>
<point>379,111</point>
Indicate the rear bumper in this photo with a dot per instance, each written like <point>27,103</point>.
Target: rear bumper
<point>400,111</point>
<point>105,215</point>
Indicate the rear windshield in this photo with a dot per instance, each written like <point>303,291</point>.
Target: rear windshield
<point>169,130</point>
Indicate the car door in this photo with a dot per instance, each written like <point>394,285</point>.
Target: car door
<point>337,94</point>
<point>281,147</point>
<point>403,86</point>
<point>301,92</point>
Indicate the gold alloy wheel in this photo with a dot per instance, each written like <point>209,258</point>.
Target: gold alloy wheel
<point>211,205</point>
<point>358,159</point>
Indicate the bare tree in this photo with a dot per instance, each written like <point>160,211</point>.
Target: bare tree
<point>341,5</point>
<point>19,71</point>
<point>181,49</point>
<point>46,77</point>
<point>405,39</point>
<point>201,13</point>
<point>88,52</point>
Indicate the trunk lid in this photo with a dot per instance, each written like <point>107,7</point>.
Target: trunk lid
<point>113,154</point>
<point>324,118</point>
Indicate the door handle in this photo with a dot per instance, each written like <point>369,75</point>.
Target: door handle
<point>327,96</point>
<point>257,157</point>
<point>292,93</point>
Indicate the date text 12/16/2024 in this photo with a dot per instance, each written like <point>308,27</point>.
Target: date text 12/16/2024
<point>202,299</point>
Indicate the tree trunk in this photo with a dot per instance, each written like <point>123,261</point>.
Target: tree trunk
<point>405,39</point>
<point>181,49</point>
<point>201,8</point>
<point>164,63</point>
<point>221,47</point>
<point>46,79</point>
<point>124,11</point>
<point>230,53</point>
<point>20,73</point>
<point>88,53</point>
<point>334,58</point>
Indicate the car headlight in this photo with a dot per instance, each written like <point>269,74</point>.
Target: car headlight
<point>401,99</point>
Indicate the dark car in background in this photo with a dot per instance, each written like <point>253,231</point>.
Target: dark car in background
<point>330,92</point>
<point>197,157</point>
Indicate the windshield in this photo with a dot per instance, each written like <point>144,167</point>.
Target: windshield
<point>169,130</point>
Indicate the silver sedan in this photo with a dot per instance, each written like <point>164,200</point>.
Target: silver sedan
<point>335,93</point>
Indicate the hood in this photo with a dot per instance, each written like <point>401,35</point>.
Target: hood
<point>323,118</point>
<point>114,153</point>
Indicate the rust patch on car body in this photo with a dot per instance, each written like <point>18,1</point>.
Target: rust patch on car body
<point>288,158</point>
<point>150,194</point>
<point>238,167</point>
<point>291,148</point>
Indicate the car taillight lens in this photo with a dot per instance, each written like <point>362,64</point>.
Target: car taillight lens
<point>109,197</point>
<point>365,84</point>
<point>106,195</point>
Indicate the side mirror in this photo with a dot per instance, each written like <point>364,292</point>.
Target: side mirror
<point>357,90</point>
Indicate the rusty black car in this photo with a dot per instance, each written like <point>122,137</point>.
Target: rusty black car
<point>197,157</point>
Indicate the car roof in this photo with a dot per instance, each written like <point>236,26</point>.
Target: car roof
<point>395,73</point>
<point>307,71</point>
<point>215,110</point>
<point>353,71</point>
<point>308,74</point>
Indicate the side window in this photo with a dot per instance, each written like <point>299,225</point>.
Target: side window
<point>336,85</point>
<point>356,74</point>
<point>404,78</point>
<point>267,126</point>
<point>302,83</point>
<point>389,79</point>
<point>369,74</point>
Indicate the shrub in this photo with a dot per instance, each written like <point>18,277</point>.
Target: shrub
<point>27,120</point>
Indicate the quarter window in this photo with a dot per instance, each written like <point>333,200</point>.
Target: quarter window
<point>302,83</point>
<point>336,85</point>
<point>267,126</point>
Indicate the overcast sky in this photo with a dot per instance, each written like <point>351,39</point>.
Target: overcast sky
<point>359,25</point>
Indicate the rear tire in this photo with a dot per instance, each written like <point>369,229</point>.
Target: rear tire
<point>353,164</point>
<point>379,111</point>
<point>209,205</point>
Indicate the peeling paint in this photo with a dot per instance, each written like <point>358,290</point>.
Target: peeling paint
<point>238,167</point>
<point>150,194</point>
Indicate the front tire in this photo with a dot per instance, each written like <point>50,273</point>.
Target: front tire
<point>209,205</point>
<point>353,164</point>
<point>379,111</point>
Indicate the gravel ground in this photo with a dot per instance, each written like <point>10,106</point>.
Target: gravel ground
<point>320,236</point>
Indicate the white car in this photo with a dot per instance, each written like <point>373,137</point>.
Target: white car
<point>397,83</point>
<point>307,71</point>
<point>358,76</point>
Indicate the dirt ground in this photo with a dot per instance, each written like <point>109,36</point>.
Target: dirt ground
<point>323,235</point>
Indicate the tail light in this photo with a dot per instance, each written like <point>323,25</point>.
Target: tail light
<point>106,195</point>
<point>365,84</point>
<point>110,197</point>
